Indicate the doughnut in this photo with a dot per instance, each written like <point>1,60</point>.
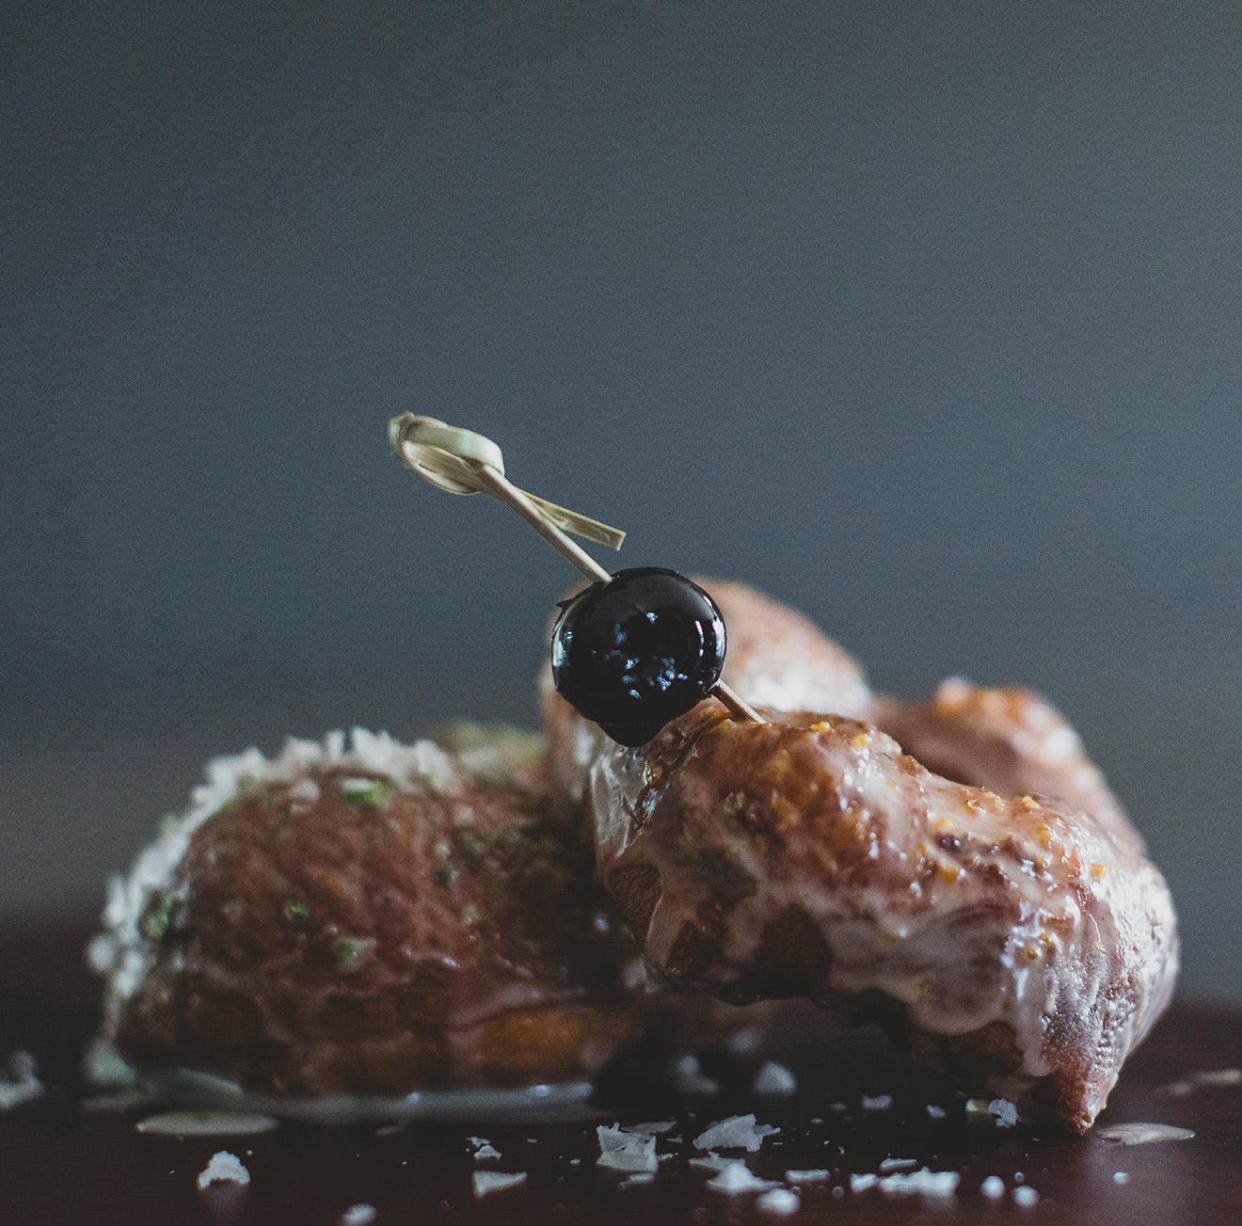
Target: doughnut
<point>986,900</point>
<point>369,918</point>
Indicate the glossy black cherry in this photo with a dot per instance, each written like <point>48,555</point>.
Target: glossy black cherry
<point>635,652</point>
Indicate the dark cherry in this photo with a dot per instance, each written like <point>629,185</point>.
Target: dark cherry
<point>637,651</point>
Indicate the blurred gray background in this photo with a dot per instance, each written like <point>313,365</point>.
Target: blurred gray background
<point>922,316</point>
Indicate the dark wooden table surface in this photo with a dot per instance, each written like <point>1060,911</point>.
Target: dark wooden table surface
<point>59,1164</point>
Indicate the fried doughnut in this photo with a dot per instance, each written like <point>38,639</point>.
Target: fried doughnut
<point>369,919</point>
<point>776,658</point>
<point>1020,944</point>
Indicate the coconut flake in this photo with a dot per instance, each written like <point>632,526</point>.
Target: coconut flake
<point>934,1112</point>
<point>993,1187</point>
<point>744,1042</point>
<point>737,1178</point>
<point>863,1182</point>
<point>815,1176</point>
<point>1005,1112</point>
<point>358,1215</point>
<point>774,1078</point>
<point>1142,1134</point>
<point>1025,1197</point>
<point>688,1078</point>
<point>1206,1078</point>
<point>637,1180</point>
<point>877,1102</point>
<point>1121,1178</point>
<point>736,1132</point>
<point>898,1164</point>
<point>484,1183</point>
<point>778,1200</point>
<point>924,1182</point>
<point>223,1167</point>
<point>21,1084</point>
<point>711,1162</point>
<point>206,1124</point>
<point>625,1151</point>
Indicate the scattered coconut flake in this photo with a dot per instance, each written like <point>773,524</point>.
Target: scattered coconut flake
<point>925,1182</point>
<point>1142,1134</point>
<point>1208,1078</point>
<point>358,1215</point>
<point>815,1176</point>
<point>206,1124</point>
<point>898,1164</point>
<point>1025,1197</point>
<point>1005,1112</point>
<point>486,1152</point>
<point>737,1178</point>
<point>775,1078</point>
<point>223,1167</point>
<point>103,1066</point>
<point>688,1078</point>
<point>778,1200</point>
<point>838,1108</point>
<point>637,1180</point>
<point>736,1132</point>
<point>21,1083</point>
<point>484,1183</point>
<point>993,1187</point>
<point>711,1162</point>
<point>744,1042</point>
<point>1120,1178</point>
<point>877,1102</point>
<point>651,1127</point>
<point>625,1151</point>
<point>934,1112</point>
<point>863,1182</point>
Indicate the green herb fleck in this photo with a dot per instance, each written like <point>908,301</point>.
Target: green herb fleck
<point>444,875</point>
<point>350,951</point>
<point>377,792</point>
<point>296,913</point>
<point>159,923</point>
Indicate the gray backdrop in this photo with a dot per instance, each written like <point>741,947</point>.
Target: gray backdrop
<point>922,316</point>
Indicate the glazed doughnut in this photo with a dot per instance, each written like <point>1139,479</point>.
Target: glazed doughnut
<point>776,658</point>
<point>369,918</point>
<point>1020,945</point>
<point>999,916</point>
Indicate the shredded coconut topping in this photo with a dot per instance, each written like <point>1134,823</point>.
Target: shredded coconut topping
<point>21,1083</point>
<point>625,1151</point>
<point>779,1200</point>
<point>737,1132</point>
<point>737,1178</point>
<point>223,1167</point>
<point>1142,1134</point>
<point>815,1176</point>
<point>993,1187</point>
<point>358,1215</point>
<point>1025,1197</point>
<point>484,1183</point>
<point>775,1078</point>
